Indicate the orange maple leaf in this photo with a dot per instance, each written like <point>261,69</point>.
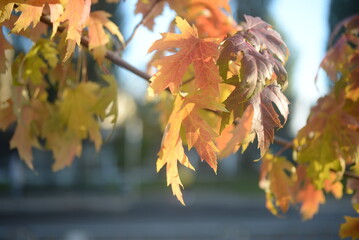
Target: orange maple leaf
<point>207,15</point>
<point>277,178</point>
<point>307,194</point>
<point>97,22</point>
<point>172,150</point>
<point>76,14</point>
<point>234,135</point>
<point>186,114</point>
<point>193,50</point>
<point>144,7</point>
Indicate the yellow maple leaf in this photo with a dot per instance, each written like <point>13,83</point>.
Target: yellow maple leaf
<point>5,10</point>
<point>77,110</point>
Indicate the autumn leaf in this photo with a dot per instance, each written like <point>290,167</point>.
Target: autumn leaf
<point>156,8</point>
<point>193,50</point>
<point>234,135</point>
<point>310,197</point>
<point>277,178</point>
<point>256,51</point>
<point>329,140</point>
<point>207,15</point>
<point>186,114</point>
<point>5,10</point>
<point>29,14</point>
<point>98,38</point>
<point>307,194</point>
<point>198,132</point>
<point>265,117</point>
<point>350,228</point>
<point>334,185</point>
<point>27,128</point>
<point>7,115</point>
<point>75,14</point>
<point>77,108</point>
<point>107,105</point>
<point>172,150</point>
<point>4,45</point>
<point>261,34</point>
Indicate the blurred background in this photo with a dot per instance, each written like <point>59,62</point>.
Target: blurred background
<point>117,194</point>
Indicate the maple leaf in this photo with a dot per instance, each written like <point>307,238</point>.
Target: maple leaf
<point>75,14</point>
<point>4,45</point>
<point>198,132</point>
<point>193,50</point>
<point>107,105</point>
<point>277,178</point>
<point>77,111</point>
<point>310,197</point>
<point>234,135</point>
<point>350,228</point>
<point>97,22</point>
<point>5,10</point>
<point>172,150</point>
<point>42,57</point>
<point>256,51</point>
<point>329,140</point>
<point>29,14</point>
<point>334,186</point>
<point>207,15</point>
<point>265,117</point>
<point>186,114</point>
<point>261,34</point>
<point>7,116</point>
<point>144,7</point>
<point>27,129</point>
<point>307,194</point>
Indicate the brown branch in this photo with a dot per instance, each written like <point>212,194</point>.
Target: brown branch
<point>141,22</point>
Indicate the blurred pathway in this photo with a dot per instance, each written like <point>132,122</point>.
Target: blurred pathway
<point>206,216</point>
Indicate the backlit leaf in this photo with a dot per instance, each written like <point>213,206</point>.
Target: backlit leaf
<point>277,178</point>
<point>193,50</point>
<point>265,118</point>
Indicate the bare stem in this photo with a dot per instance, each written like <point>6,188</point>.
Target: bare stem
<point>145,16</point>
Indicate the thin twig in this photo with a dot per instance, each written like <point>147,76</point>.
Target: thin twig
<point>141,22</point>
